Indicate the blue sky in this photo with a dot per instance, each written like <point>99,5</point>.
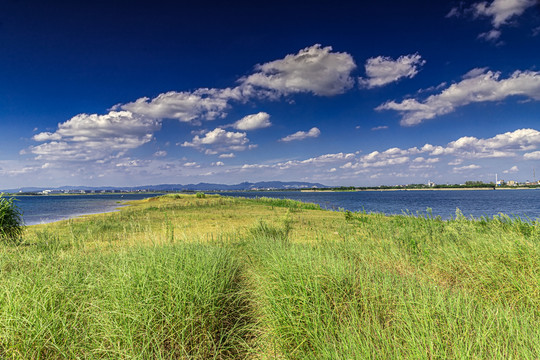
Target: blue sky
<point>393,92</point>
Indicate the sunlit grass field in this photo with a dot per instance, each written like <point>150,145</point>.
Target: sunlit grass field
<point>186,277</point>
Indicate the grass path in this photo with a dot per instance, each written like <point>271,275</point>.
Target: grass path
<point>228,278</point>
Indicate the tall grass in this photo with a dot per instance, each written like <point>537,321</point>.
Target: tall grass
<point>11,222</point>
<point>408,288</point>
<point>168,302</point>
<point>287,203</point>
<point>280,279</point>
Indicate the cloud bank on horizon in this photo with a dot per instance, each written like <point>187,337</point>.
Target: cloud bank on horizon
<point>110,145</point>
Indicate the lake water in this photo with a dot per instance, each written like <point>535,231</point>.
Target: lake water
<point>477,203</point>
<point>522,203</point>
<point>45,209</point>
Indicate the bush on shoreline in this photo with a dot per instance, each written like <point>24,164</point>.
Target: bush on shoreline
<point>11,222</point>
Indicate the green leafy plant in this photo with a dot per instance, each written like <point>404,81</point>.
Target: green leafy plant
<point>11,223</point>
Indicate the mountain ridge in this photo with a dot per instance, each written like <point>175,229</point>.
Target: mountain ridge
<point>202,186</point>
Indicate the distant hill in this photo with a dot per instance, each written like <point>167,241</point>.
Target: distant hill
<point>263,185</point>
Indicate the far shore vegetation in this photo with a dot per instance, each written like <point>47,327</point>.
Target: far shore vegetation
<point>202,276</point>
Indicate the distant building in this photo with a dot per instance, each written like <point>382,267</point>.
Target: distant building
<point>511,183</point>
<point>431,184</point>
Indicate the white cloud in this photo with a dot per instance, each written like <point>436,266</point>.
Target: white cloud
<point>382,127</point>
<point>227,156</point>
<point>421,159</point>
<point>318,161</point>
<point>131,163</point>
<point>389,157</point>
<point>456,162</point>
<point>513,169</point>
<point>191,164</point>
<point>161,153</point>
<point>467,167</point>
<point>254,166</point>
<point>202,104</point>
<point>315,162</point>
<point>477,86</point>
<point>382,70</point>
<point>91,137</point>
<point>508,144</point>
<point>46,136</point>
<point>219,140</point>
<point>535,155</point>
<point>491,35</point>
<point>314,69</point>
<point>218,163</point>
<point>253,122</point>
<point>501,145</point>
<point>500,12</point>
<point>301,135</point>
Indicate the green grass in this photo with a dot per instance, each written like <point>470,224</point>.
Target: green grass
<point>190,277</point>
<point>392,297</point>
<point>172,301</point>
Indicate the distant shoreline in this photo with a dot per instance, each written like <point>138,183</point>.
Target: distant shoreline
<point>428,189</point>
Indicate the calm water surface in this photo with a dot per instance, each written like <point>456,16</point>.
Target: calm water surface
<point>476,203</point>
<point>45,209</point>
<point>522,203</point>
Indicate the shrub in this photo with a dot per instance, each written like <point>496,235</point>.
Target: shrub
<point>200,195</point>
<point>11,223</point>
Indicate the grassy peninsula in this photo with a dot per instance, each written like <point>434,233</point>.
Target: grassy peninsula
<point>210,277</point>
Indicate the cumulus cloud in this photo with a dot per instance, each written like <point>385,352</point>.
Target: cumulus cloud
<point>91,137</point>
<point>301,135</point>
<point>161,153</point>
<point>421,159</point>
<point>499,11</point>
<point>219,140</point>
<point>315,69</point>
<point>388,157</point>
<point>501,145</point>
<point>227,156</point>
<point>535,155</point>
<point>477,86</point>
<point>383,70</point>
<point>253,122</point>
<point>202,104</point>
<point>459,157</point>
<point>513,169</point>
<point>319,161</point>
<point>467,167</point>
